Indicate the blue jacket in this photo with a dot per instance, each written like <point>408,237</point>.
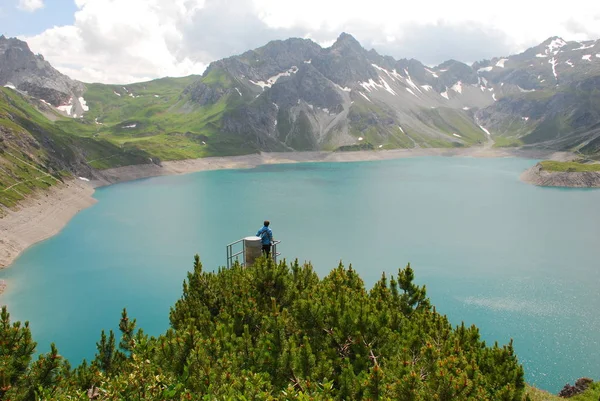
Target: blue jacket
<point>267,238</point>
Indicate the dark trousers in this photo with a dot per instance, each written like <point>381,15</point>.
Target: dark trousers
<point>266,250</point>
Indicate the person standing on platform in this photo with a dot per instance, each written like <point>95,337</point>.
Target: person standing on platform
<point>266,236</point>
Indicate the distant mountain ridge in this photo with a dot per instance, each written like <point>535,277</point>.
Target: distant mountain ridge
<point>344,93</point>
<point>295,95</point>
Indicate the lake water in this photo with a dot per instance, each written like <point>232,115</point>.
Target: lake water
<point>518,261</point>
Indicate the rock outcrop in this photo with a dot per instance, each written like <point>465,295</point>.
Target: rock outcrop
<point>31,74</point>
<point>580,386</point>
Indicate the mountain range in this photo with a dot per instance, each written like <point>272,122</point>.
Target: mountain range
<point>292,95</point>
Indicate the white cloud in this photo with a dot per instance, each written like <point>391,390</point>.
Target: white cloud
<point>525,22</point>
<point>124,41</point>
<point>121,41</point>
<point>31,5</point>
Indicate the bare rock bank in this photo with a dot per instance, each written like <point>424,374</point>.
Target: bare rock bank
<point>538,176</point>
<point>41,216</point>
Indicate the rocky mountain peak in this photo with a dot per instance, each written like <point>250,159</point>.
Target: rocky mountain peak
<point>12,43</point>
<point>347,41</point>
<point>31,74</point>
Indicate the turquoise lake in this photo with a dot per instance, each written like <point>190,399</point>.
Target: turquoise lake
<point>518,261</point>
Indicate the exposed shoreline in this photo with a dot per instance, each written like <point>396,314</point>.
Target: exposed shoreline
<point>129,173</point>
<point>41,216</point>
<point>45,214</point>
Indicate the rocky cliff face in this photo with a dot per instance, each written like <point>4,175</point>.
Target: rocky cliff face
<point>31,74</point>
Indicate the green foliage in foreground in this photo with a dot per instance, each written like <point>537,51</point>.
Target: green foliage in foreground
<point>570,167</point>
<point>275,332</point>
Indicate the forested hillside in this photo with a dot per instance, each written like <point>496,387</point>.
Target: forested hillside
<point>276,331</point>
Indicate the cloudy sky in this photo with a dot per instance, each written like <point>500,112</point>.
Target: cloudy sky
<point>123,41</point>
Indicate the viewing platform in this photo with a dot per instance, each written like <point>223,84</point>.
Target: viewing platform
<point>248,249</point>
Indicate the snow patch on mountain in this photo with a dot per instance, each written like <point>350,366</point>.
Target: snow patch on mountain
<point>389,74</point>
<point>445,94</point>
<point>556,44</point>
<point>427,88</point>
<point>457,87</point>
<point>401,130</point>
<point>501,62</point>
<point>395,74</point>
<point>117,93</point>
<point>66,108</point>
<point>411,92</point>
<point>84,105</point>
<point>262,84</point>
<point>370,85</point>
<point>410,82</point>
<point>345,89</point>
<point>130,126</point>
<point>525,90</point>
<point>553,62</point>
<point>10,86</point>
<point>583,47</point>
<point>540,55</point>
<point>387,87</point>
<point>238,91</point>
<point>365,96</point>
<point>456,135</point>
<point>587,57</point>
<point>486,69</point>
<point>432,73</point>
<point>570,63</point>
<point>485,130</point>
<point>271,81</point>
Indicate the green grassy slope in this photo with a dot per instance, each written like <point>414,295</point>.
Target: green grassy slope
<point>124,125</point>
<point>35,153</point>
<point>159,118</point>
<point>569,166</point>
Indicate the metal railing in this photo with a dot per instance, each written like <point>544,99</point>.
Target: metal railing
<point>234,252</point>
